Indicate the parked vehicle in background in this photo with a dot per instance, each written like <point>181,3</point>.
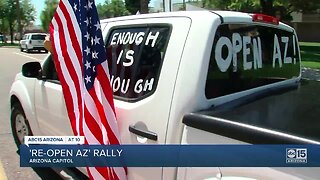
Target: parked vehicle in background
<point>32,41</point>
<point>3,38</point>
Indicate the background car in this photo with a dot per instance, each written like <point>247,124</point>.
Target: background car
<point>2,38</point>
<point>33,41</point>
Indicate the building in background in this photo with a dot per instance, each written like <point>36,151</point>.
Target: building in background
<point>307,26</point>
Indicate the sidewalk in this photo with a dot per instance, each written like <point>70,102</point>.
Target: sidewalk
<point>311,74</point>
<point>2,173</point>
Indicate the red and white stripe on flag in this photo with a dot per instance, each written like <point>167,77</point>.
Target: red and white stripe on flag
<point>81,63</point>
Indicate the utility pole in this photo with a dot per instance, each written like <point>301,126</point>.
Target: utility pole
<point>19,19</point>
<point>167,5</point>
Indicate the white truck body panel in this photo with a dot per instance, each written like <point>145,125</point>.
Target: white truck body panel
<point>158,104</point>
<point>196,136</point>
<point>50,107</point>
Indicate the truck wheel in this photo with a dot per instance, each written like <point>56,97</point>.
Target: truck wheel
<point>19,124</point>
<point>21,49</point>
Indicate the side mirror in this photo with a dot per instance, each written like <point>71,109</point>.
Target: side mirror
<point>31,69</point>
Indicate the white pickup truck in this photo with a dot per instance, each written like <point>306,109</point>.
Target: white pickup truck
<point>207,77</point>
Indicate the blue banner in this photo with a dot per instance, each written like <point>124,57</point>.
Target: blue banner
<point>170,155</point>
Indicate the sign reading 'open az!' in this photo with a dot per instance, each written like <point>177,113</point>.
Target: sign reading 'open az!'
<point>248,56</point>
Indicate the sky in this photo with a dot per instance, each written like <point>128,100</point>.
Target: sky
<point>39,5</point>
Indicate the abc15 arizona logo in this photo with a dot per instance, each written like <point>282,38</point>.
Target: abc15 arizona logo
<point>296,155</point>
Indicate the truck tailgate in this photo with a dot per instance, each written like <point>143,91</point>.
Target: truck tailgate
<point>286,116</point>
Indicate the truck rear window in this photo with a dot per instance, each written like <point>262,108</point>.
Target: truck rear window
<point>135,56</point>
<point>38,37</point>
<point>248,56</point>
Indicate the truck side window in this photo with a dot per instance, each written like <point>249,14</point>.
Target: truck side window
<point>246,56</point>
<point>135,56</point>
<point>49,71</point>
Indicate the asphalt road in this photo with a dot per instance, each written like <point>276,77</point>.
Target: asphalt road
<point>11,61</point>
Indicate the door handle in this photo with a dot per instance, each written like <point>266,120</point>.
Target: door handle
<point>143,133</point>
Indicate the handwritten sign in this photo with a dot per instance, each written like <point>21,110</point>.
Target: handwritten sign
<point>131,49</point>
<point>248,45</point>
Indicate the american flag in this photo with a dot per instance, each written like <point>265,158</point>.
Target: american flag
<point>81,63</point>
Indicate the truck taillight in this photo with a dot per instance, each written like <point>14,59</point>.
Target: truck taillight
<point>265,18</point>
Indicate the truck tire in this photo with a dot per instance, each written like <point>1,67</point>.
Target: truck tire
<point>19,124</point>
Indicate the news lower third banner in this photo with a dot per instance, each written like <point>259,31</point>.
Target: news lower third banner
<point>170,155</point>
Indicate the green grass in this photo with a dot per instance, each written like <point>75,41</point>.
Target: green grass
<point>310,54</point>
<point>8,44</point>
<point>309,44</point>
<point>311,64</point>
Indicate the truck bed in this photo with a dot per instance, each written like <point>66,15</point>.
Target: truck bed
<point>287,116</point>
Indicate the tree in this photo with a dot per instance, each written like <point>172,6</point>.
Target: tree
<point>133,6</point>
<point>137,5</point>
<point>25,14</point>
<point>303,6</point>
<point>3,22</point>
<point>10,9</point>
<point>216,4</point>
<point>28,13</point>
<point>113,8</point>
<point>269,7</point>
<point>245,5</point>
<point>234,5</point>
<point>144,6</point>
<point>19,13</point>
<point>283,8</point>
<point>47,14</point>
<point>10,16</point>
<point>2,6</point>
